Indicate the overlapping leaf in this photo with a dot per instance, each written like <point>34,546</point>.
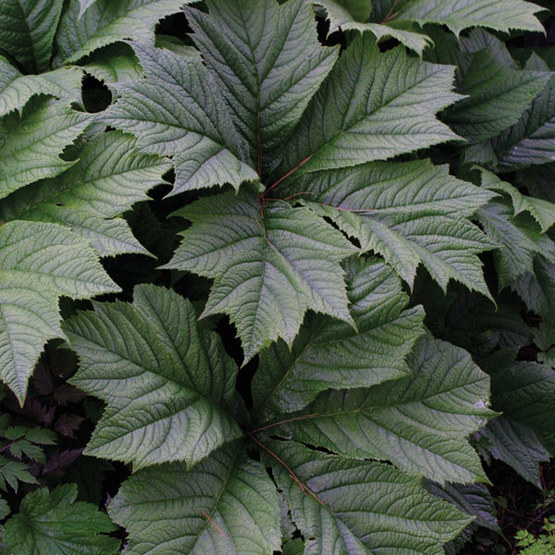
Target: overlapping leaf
<point>107,180</point>
<point>344,496</point>
<point>17,89</point>
<point>168,384</point>
<point>410,213</point>
<point>419,423</point>
<point>461,14</point>
<point>373,106</point>
<point>497,96</point>
<point>343,17</point>
<point>30,145</point>
<point>52,522</point>
<point>267,62</point>
<point>226,504</point>
<point>39,263</point>
<point>329,354</point>
<point>105,22</point>
<point>530,141</point>
<point>27,29</point>
<point>269,265</point>
<point>178,111</point>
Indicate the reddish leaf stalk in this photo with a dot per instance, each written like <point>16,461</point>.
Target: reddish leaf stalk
<point>212,522</point>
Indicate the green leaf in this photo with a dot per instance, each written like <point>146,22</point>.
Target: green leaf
<point>410,213</point>
<point>226,504</point>
<point>85,5</point>
<point>167,382</point>
<point>109,178</point>
<point>419,423</point>
<point>537,289</point>
<point>269,264</point>
<point>343,18</point>
<point>361,507</point>
<point>27,29</point>
<point>329,354</point>
<point>267,62</point>
<point>517,445</point>
<point>196,129</point>
<point>13,472</point>
<point>17,89</point>
<point>108,21</point>
<point>38,264</point>
<point>542,211</point>
<point>114,64</point>
<point>531,140</point>
<point>462,14</point>
<point>519,238</point>
<point>497,96</point>
<point>525,393</point>
<point>373,106</point>
<point>54,523</point>
<point>30,145</point>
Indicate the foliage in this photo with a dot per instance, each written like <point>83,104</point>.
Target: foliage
<point>303,254</point>
<point>545,543</point>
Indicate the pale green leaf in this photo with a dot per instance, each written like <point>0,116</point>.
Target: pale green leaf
<point>85,5</point>
<point>109,21</point>
<point>411,213</point>
<point>226,504</point>
<point>461,14</point>
<point>530,141</point>
<point>166,381</point>
<point>341,18</point>
<point>497,96</point>
<point>361,507</point>
<point>17,89</point>
<point>52,522</point>
<point>372,106</point>
<point>109,178</point>
<point>177,111</point>
<point>38,264</point>
<point>541,210</point>
<point>267,62</point>
<point>114,64</point>
<point>329,354</point>
<point>27,29</point>
<point>419,423</point>
<point>30,145</point>
<point>269,265</point>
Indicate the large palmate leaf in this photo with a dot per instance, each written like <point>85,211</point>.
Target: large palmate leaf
<point>330,354</point>
<point>170,383</point>
<point>419,423</point>
<point>269,265</point>
<point>226,504</point>
<point>267,62</point>
<point>38,264</point>
<point>177,111</point>
<point>30,145</point>
<point>109,21</point>
<point>350,506</point>
<point>497,96</point>
<point>373,106</point>
<point>27,29</point>
<point>410,213</point>
<point>52,522</point>
<point>461,14</point>
<point>17,89</point>
<point>343,17</point>
<point>531,141</point>
<point>107,180</point>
